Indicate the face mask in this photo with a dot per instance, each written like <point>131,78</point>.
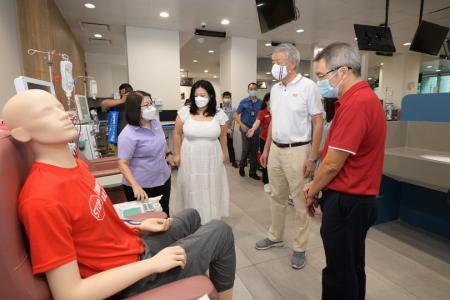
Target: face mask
<point>279,72</point>
<point>149,113</point>
<point>252,93</point>
<point>226,100</point>
<point>327,90</point>
<point>201,101</point>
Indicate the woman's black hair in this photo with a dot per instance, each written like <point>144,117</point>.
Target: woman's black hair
<point>265,100</point>
<point>211,109</point>
<point>133,110</point>
<point>330,107</point>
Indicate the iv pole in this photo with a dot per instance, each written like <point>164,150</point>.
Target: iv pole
<point>50,55</point>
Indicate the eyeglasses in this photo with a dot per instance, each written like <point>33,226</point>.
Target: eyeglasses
<point>147,105</point>
<point>331,71</point>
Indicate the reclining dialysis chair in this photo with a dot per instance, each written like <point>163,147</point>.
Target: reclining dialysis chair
<point>16,279</point>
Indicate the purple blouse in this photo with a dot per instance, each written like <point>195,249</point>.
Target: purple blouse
<point>145,149</point>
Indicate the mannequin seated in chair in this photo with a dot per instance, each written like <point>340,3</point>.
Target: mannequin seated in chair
<point>77,239</point>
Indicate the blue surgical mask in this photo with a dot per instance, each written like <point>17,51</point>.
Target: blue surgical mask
<point>252,93</point>
<point>327,90</point>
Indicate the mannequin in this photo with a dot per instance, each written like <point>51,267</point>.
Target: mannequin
<point>37,118</point>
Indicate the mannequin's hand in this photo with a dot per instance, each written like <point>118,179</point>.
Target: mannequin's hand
<point>139,193</point>
<point>176,160</point>
<point>155,225</point>
<point>168,258</point>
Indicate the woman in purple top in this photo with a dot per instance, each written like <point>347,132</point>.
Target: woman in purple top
<point>143,152</point>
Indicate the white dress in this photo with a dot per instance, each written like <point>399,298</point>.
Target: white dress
<point>202,179</point>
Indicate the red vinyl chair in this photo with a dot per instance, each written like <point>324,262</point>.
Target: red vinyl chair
<point>17,281</point>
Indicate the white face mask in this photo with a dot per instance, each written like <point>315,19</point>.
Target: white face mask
<point>201,101</point>
<point>149,113</point>
<point>279,72</point>
<point>226,100</point>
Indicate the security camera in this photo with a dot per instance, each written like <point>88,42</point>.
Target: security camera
<point>203,25</point>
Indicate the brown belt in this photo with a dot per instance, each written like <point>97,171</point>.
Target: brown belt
<point>279,145</point>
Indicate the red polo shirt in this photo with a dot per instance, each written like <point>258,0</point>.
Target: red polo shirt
<point>265,117</point>
<point>359,128</point>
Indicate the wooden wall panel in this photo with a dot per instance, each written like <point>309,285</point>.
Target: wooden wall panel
<point>43,27</point>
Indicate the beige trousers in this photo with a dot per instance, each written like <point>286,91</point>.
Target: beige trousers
<point>285,169</point>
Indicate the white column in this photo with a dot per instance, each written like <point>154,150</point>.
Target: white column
<point>399,76</point>
<point>364,65</point>
<point>11,58</point>
<point>154,63</point>
<point>238,58</point>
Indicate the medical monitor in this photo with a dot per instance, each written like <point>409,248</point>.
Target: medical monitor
<point>83,109</point>
<point>23,83</point>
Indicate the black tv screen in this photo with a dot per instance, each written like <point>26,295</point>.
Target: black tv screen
<point>374,38</point>
<point>274,13</point>
<point>429,38</point>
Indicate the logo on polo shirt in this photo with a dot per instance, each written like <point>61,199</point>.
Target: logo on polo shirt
<point>97,201</point>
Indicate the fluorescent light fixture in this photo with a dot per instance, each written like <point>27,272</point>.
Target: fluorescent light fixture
<point>98,35</point>
<point>214,76</point>
<point>306,74</point>
<point>181,70</point>
<point>300,30</point>
<point>406,44</point>
<point>268,44</point>
<point>259,5</point>
<point>225,22</point>
<point>268,73</point>
<point>164,14</point>
<point>89,5</point>
<point>195,60</point>
<point>370,78</point>
<point>211,51</point>
<point>273,80</point>
<point>429,67</point>
<point>206,71</point>
<point>183,75</point>
<point>381,63</point>
<point>438,70</point>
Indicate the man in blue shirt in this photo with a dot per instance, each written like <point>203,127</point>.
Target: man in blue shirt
<point>245,116</point>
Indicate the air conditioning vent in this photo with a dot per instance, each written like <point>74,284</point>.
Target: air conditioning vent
<point>94,27</point>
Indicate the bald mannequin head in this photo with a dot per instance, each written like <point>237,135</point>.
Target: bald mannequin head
<point>38,117</point>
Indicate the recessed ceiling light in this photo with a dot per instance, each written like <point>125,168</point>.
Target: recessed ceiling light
<point>210,51</point>
<point>214,76</point>
<point>206,71</point>
<point>306,74</point>
<point>300,30</point>
<point>370,78</point>
<point>89,5</point>
<point>356,39</point>
<point>273,80</point>
<point>164,14</point>
<point>406,44</point>
<point>225,22</point>
<point>438,70</point>
<point>268,44</point>
<point>183,75</point>
<point>181,70</point>
<point>259,4</point>
<point>429,67</point>
<point>98,35</point>
<point>268,73</point>
<point>195,60</point>
<point>381,63</point>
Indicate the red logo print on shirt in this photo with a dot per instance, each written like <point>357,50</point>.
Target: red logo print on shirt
<point>97,201</point>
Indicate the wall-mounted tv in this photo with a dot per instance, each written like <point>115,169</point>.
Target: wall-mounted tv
<point>429,38</point>
<point>374,38</point>
<point>274,13</point>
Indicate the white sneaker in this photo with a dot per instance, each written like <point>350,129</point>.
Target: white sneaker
<point>267,188</point>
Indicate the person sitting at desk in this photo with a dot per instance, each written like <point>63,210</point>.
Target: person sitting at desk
<point>143,152</point>
<point>77,239</point>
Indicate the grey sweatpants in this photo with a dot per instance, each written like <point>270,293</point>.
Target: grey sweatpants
<point>210,246</point>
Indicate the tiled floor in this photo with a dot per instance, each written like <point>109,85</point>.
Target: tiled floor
<point>402,262</point>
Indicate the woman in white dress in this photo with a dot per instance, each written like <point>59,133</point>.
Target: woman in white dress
<point>202,180</point>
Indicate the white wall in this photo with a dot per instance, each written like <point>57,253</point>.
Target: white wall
<point>399,77</point>
<point>11,50</point>
<point>154,63</point>
<point>109,71</point>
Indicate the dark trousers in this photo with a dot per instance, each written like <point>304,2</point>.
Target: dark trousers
<point>345,222</point>
<point>156,191</point>
<point>249,150</point>
<point>265,176</point>
<point>210,246</point>
<point>230,148</point>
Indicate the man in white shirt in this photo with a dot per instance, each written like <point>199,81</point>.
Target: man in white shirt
<point>297,119</point>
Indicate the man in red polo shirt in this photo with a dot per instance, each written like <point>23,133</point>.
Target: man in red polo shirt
<point>350,174</point>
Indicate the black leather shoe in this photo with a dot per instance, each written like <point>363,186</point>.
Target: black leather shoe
<point>235,165</point>
<point>255,176</point>
<point>242,172</point>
